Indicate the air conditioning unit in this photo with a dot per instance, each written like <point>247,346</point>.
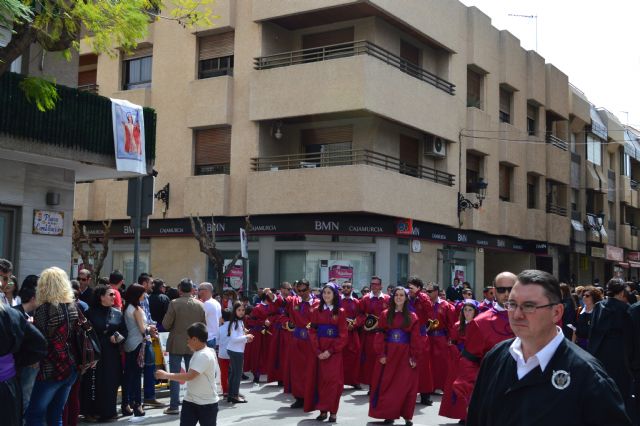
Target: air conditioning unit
<point>435,146</point>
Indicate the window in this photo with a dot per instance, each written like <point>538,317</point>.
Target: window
<point>328,45</point>
<point>556,198</point>
<point>625,163</point>
<point>575,200</point>
<point>409,155</point>
<point>474,88</point>
<point>532,191</point>
<point>326,146</point>
<point>215,55</point>
<point>8,232</point>
<point>137,69</point>
<point>573,137</point>
<point>506,181</point>
<point>474,171</point>
<point>212,151</point>
<point>532,119</point>
<point>612,161</point>
<point>594,150</point>
<point>505,105</point>
<point>410,61</point>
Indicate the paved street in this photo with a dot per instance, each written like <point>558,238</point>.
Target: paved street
<point>267,403</point>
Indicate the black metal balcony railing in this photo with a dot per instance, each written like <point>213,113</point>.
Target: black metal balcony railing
<point>213,169</point>
<point>90,88</point>
<point>557,142</point>
<point>556,209</point>
<point>350,157</point>
<point>80,121</point>
<point>355,48</point>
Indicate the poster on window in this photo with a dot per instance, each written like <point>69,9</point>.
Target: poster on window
<point>128,136</point>
<point>458,272</point>
<point>234,277</point>
<point>340,271</point>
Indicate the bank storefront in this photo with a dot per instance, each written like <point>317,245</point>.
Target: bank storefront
<point>320,247</point>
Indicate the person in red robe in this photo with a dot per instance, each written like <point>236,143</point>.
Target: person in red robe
<point>328,336</point>
<point>444,320</point>
<point>397,349</point>
<point>482,334</point>
<point>299,308</point>
<point>420,303</point>
<point>371,307</point>
<point>451,406</point>
<point>489,297</point>
<point>258,349</point>
<point>351,354</point>
<point>278,348</point>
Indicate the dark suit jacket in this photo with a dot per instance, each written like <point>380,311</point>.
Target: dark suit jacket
<point>634,313</point>
<point>611,341</point>
<point>590,397</point>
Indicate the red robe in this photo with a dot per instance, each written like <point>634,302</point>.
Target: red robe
<point>482,334</point>
<point>300,350</point>
<point>451,405</point>
<point>256,351</point>
<point>351,353</point>
<point>423,308</point>
<point>395,384</point>
<point>325,378</point>
<point>485,306</point>
<point>369,305</point>
<point>445,313</point>
<point>278,347</point>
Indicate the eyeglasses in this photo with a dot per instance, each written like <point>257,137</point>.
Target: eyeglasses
<point>304,290</point>
<point>527,307</point>
<point>503,290</point>
<point>346,286</point>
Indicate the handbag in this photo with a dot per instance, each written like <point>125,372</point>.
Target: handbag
<point>85,343</point>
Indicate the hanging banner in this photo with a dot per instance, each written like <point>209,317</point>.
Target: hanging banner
<point>235,275</point>
<point>244,244</point>
<point>128,136</point>
<point>340,271</point>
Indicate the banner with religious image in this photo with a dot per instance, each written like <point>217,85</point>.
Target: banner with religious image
<point>128,136</point>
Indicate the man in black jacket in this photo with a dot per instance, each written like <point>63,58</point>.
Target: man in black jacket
<point>541,378</point>
<point>611,340</point>
<point>634,312</point>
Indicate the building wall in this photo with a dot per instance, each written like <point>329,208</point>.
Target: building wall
<point>25,186</point>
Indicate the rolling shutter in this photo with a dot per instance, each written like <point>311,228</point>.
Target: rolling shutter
<point>327,135</point>
<point>213,146</point>
<point>215,46</point>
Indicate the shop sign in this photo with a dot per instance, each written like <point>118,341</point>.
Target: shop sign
<point>404,227</point>
<point>234,276</point>
<point>614,253</point>
<point>633,256</point>
<point>46,222</point>
<point>598,252</point>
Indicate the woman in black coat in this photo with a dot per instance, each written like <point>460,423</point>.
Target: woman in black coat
<point>100,384</point>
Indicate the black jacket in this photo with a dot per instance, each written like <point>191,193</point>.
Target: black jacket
<point>590,398</point>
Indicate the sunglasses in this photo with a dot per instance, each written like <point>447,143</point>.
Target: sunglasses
<point>503,290</point>
<point>304,290</point>
<point>346,286</point>
<point>83,279</point>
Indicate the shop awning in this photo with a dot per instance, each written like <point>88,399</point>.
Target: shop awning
<point>634,264</point>
<point>624,265</point>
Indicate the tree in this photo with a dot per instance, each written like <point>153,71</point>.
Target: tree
<point>207,243</point>
<point>83,244</point>
<point>108,25</point>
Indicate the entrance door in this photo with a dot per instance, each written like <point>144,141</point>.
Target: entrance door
<point>7,232</point>
<point>409,152</point>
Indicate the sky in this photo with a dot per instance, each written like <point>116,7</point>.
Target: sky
<point>596,43</point>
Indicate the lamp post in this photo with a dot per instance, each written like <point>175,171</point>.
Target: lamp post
<point>465,203</point>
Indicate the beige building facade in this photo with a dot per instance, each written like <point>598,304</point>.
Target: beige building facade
<point>363,134</point>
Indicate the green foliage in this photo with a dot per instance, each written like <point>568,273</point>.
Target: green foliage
<point>41,91</point>
<point>14,11</point>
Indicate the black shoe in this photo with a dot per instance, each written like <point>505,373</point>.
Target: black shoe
<point>322,417</point>
<point>256,379</point>
<point>138,411</point>
<point>280,384</point>
<point>238,401</point>
<point>462,422</point>
<point>126,411</point>
<point>425,399</point>
<point>332,419</point>
<point>245,377</point>
<point>388,421</point>
<point>298,404</point>
<point>357,387</point>
<point>408,423</point>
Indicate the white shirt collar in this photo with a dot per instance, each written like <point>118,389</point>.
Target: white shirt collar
<point>542,358</point>
<point>379,295</point>
<point>497,307</point>
<point>328,307</point>
<point>487,302</point>
<point>349,297</point>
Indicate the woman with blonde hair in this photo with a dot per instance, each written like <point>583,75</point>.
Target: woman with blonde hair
<point>56,317</point>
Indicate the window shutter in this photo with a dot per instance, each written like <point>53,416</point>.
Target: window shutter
<point>216,46</point>
<point>327,135</point>
<point>409,149</point>
<point>344,35</point>
<point>213,146</point>
<point>140,52</point>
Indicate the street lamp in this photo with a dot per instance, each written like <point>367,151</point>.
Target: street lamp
<point>465,203</point>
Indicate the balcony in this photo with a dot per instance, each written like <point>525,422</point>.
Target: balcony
<point>343,50</point>
<point>213,169</point>
<point>558,229</point>
<point>628,237</point>
<point>628,192</point>
<point>76,135</point>
<point>557,142</point>
<point>556,209</point>
<point>356,188</point>
<point>209,102</point>
<point>348,79</point>
<point>350,157</point>
<point>89,88</point>
<point>206,195</point>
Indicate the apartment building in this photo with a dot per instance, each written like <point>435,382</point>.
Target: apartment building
<point>382,137</point>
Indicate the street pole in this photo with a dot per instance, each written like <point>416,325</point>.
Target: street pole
<point>137,221</point>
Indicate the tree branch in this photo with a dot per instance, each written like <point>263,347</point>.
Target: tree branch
<point>20,42</point>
